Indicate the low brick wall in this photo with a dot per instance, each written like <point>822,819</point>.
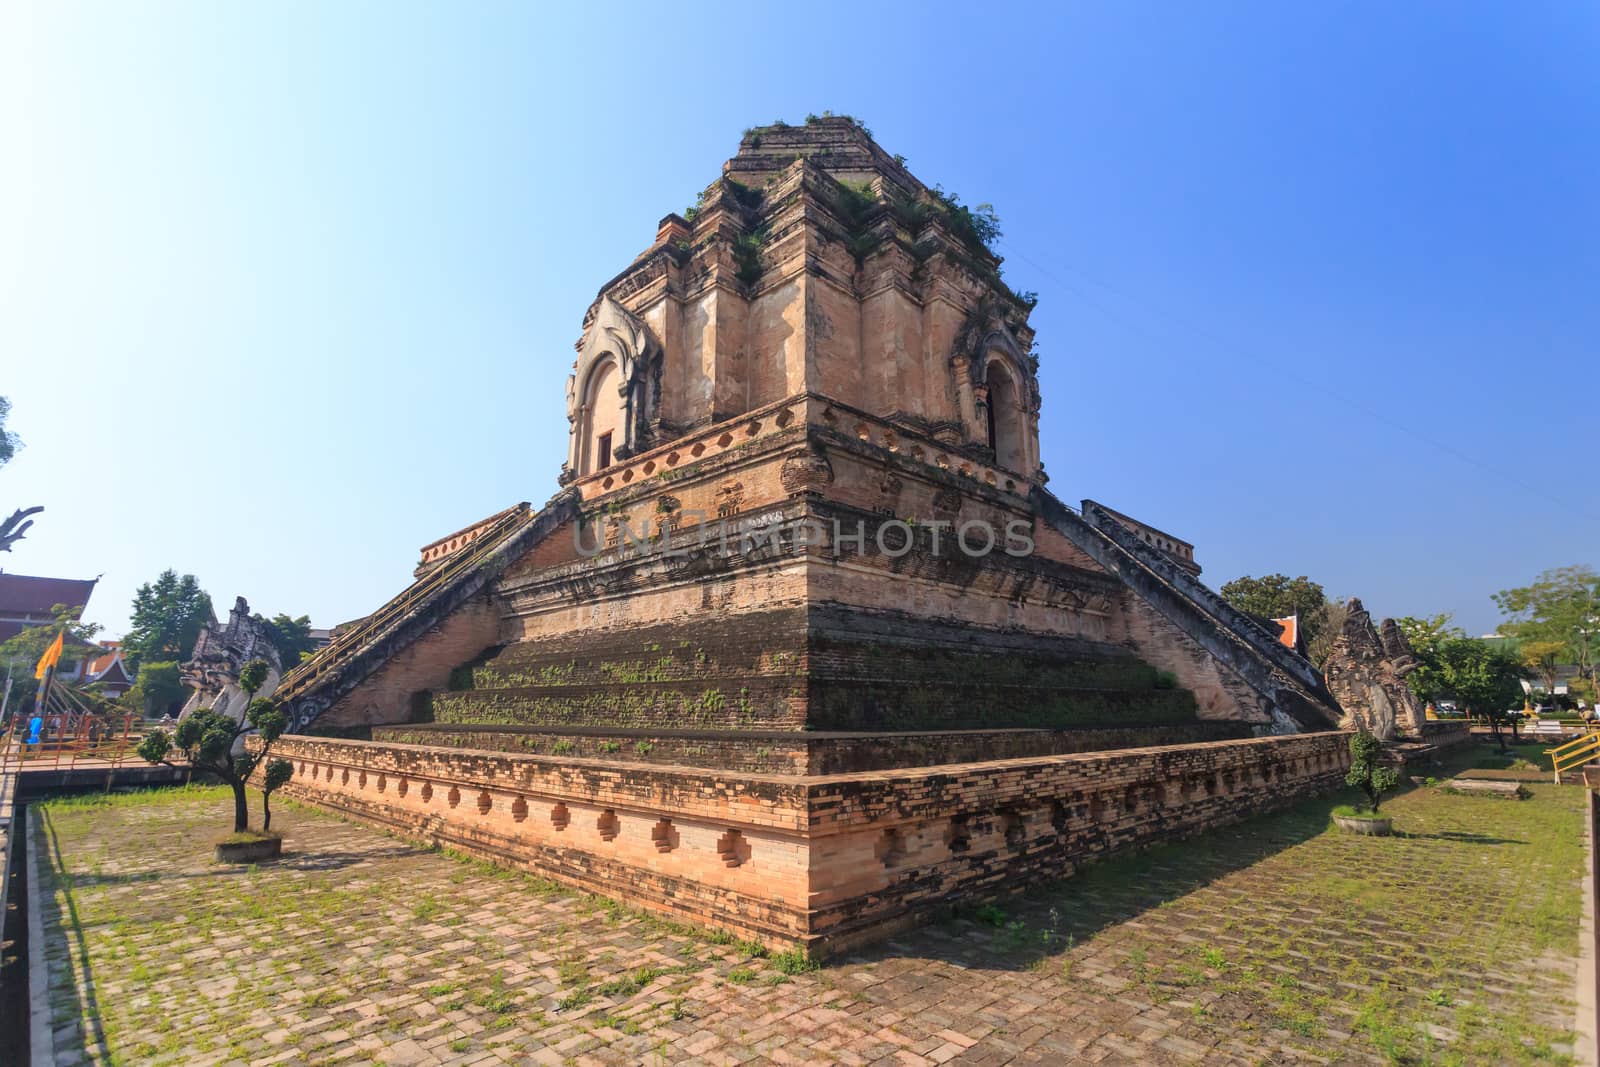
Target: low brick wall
<point>653,836</point>
<point>1447,733</point>
<point>824,861</point>
<point>888,850</point>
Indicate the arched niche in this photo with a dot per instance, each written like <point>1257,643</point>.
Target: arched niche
<point>1006,402</point>
<point>613,391</point>
<point>997,391</point>
<point>601,418</point>
<point>1006,418</point>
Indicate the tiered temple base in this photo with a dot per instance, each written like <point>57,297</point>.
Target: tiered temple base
<point>822,860</point>
<point>802,496</point>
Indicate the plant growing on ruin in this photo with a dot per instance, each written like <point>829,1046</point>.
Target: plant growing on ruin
<point>1365,772</point>
<point>206,741</point>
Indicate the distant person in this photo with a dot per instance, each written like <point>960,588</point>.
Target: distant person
<point>35,724</point>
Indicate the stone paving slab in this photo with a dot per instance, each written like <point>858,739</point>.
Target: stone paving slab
<point>1277,941</point>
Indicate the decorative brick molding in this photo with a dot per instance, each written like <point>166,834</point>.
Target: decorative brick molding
<point>825,861</point>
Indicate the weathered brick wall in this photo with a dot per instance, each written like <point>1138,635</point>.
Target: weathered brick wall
<point>773,752</point>
<point>648,836</point>
<point>1446,733</point>
<point>889,849</point>
<point>766,752</point>
<point>389,695</point>
<point>881,752</point>
<point>706,671</point>
<point>1219,692</point>
<point>893,672</point>
<point>824,862</point>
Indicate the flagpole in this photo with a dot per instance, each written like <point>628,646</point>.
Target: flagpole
<point>48,661</point>
<point>44,690</point>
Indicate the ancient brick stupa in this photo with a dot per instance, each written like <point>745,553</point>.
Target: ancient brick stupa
<point>803,647</point>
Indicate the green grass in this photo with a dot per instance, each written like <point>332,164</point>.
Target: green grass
<point>630,984</point>
<point>1462,887</point>
<point>1275,933</point>
<point>1358,811</point>
<point>794,961</point>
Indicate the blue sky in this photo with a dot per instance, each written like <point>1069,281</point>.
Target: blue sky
<point>288,290</point>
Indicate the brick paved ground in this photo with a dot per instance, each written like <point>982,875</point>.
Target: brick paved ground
<point>1275,941</point>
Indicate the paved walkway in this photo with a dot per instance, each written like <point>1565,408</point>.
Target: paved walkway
<point>1272,942</point>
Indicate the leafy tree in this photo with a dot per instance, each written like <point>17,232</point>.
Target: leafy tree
<point>1484,680</point>
<point>278,773</point>
<point>158,687</point>
<point>1275,596</point>
<point>1425,635</point>
<point>1563,606</point>
<point>253,675</point>
<point>21,653</point>
<point>291,637</point>
<point>1332,625</point>
<point>167,618</point>
<point>1366,774</point>
<point>1542,659</point>
<point>206,740</point>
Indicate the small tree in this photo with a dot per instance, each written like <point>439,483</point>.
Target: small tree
<point>206,739</point>
<point>1365,772</point>
<point>278,772</point>
<point>1543,660</point>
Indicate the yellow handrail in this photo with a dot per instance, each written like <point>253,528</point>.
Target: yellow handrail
<point>1584,739</point>
<point>1574,754</point>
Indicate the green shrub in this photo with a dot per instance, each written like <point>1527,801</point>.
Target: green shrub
<point>1365,773</point>
<point>794,961</point>
<point>1355,811</point>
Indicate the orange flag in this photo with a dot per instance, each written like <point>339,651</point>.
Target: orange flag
<point>51,657</point>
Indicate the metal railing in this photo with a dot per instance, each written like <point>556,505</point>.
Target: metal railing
<point>72,742</point>
<point>1574,753</point>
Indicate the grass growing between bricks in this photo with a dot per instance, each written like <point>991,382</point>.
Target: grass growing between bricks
<point>1277,939</point>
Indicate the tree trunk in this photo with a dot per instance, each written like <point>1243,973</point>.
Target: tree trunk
<point>1494,727</point>
<point>241,810</point>
<point>266,812</point>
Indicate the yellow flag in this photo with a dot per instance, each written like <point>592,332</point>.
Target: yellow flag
<point>51,657</point>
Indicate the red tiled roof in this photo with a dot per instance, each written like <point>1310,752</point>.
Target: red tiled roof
<point>23,594</point>
<point>100,663</point>
<point>110,669</point>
